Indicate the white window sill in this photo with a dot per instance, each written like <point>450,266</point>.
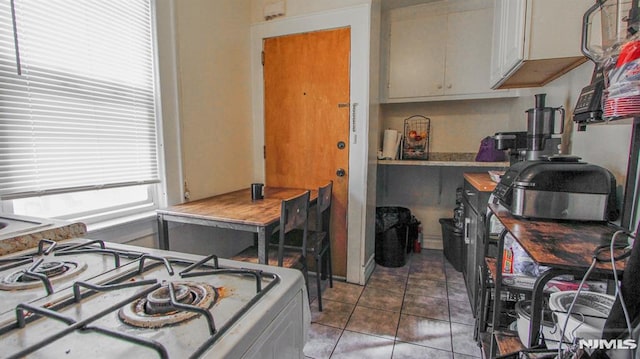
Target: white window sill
<point>104,225</point>
<point>124,229</point>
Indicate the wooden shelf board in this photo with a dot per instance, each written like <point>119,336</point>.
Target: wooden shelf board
<point>508,343</point>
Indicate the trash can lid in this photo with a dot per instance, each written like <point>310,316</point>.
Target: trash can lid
<point>388,217</point>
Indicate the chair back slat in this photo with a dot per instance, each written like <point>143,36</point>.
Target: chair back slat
<point>324,196</point>
<point>293,215</point>
<point>323,204</point>
<point>294,212</point>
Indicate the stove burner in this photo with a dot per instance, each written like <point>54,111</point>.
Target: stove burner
<point>50,269</point>
<point>159,301</point>
<point>56,271</point>
<point>156,311</point>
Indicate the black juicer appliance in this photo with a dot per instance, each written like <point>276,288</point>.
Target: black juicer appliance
<point>589,104</point>
<point>542,138</point>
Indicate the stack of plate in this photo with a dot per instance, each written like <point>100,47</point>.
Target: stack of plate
<point>622,107</point>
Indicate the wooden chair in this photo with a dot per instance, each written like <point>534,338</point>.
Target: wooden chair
<point>318,241</point>
<point>294,215</point>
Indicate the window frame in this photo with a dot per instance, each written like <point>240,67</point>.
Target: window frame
<point>120,214</point>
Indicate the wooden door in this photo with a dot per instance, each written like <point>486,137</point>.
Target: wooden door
<point>306,89</point>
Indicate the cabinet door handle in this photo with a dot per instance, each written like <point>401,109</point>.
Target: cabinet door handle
<point>467,221</point>
<point>449,86</point>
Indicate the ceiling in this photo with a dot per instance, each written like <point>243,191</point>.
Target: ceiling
<point>392,4</point>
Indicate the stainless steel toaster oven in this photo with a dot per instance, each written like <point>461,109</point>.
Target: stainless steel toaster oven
<point>559,187</point>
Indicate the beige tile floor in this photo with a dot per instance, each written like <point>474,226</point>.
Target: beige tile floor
<point>420,310</point>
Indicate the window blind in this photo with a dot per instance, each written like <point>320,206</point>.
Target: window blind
<point>77,96</point>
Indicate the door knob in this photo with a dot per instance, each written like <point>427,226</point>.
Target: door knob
<point>340,172</point>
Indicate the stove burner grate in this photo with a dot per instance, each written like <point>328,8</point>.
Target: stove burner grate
<point>39,272</point>
<point>42,272</point>
<point>159,309</point>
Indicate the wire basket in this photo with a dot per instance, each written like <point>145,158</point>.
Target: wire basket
<point>417,132</point>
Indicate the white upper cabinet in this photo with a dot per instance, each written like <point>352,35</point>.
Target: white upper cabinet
<point>508,37</point>
<point>439,51</point>
<point>417,56</point>
<point>535,41</point>
<point>468,56</point>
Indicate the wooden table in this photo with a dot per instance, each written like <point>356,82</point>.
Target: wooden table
<point>234,210</point>
<point>566,247</point>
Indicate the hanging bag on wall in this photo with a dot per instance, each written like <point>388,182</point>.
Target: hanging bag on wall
<point>488,151</point>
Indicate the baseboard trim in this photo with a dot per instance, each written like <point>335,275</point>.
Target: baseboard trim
<point>368,269</point>
<point>432,242</point>
<point>335,277</point>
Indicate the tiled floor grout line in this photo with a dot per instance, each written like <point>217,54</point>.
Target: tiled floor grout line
<point>446,285</point>
<point>338,341</point>
<point>404,295</point>
<point>347,323</point>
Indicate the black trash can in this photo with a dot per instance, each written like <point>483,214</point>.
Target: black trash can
<point>453,243</point>
<point>392,236</point>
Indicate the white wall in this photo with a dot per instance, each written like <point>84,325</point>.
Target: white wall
<point>300,7</point>
<point>213,40</point>
<point>374,129</point>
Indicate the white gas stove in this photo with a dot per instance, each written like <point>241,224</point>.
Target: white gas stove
<point>148,303</point>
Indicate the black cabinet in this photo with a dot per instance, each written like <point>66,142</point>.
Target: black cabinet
<point>475,206</point>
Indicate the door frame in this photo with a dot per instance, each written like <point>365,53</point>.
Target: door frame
<point>358,18</point>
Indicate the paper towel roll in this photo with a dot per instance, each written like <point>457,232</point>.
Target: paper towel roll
<point>390,144</point>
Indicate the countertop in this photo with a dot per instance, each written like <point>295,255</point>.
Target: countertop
<point>480,181</point>
<point>56,231</point>
<point>447,159</point>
